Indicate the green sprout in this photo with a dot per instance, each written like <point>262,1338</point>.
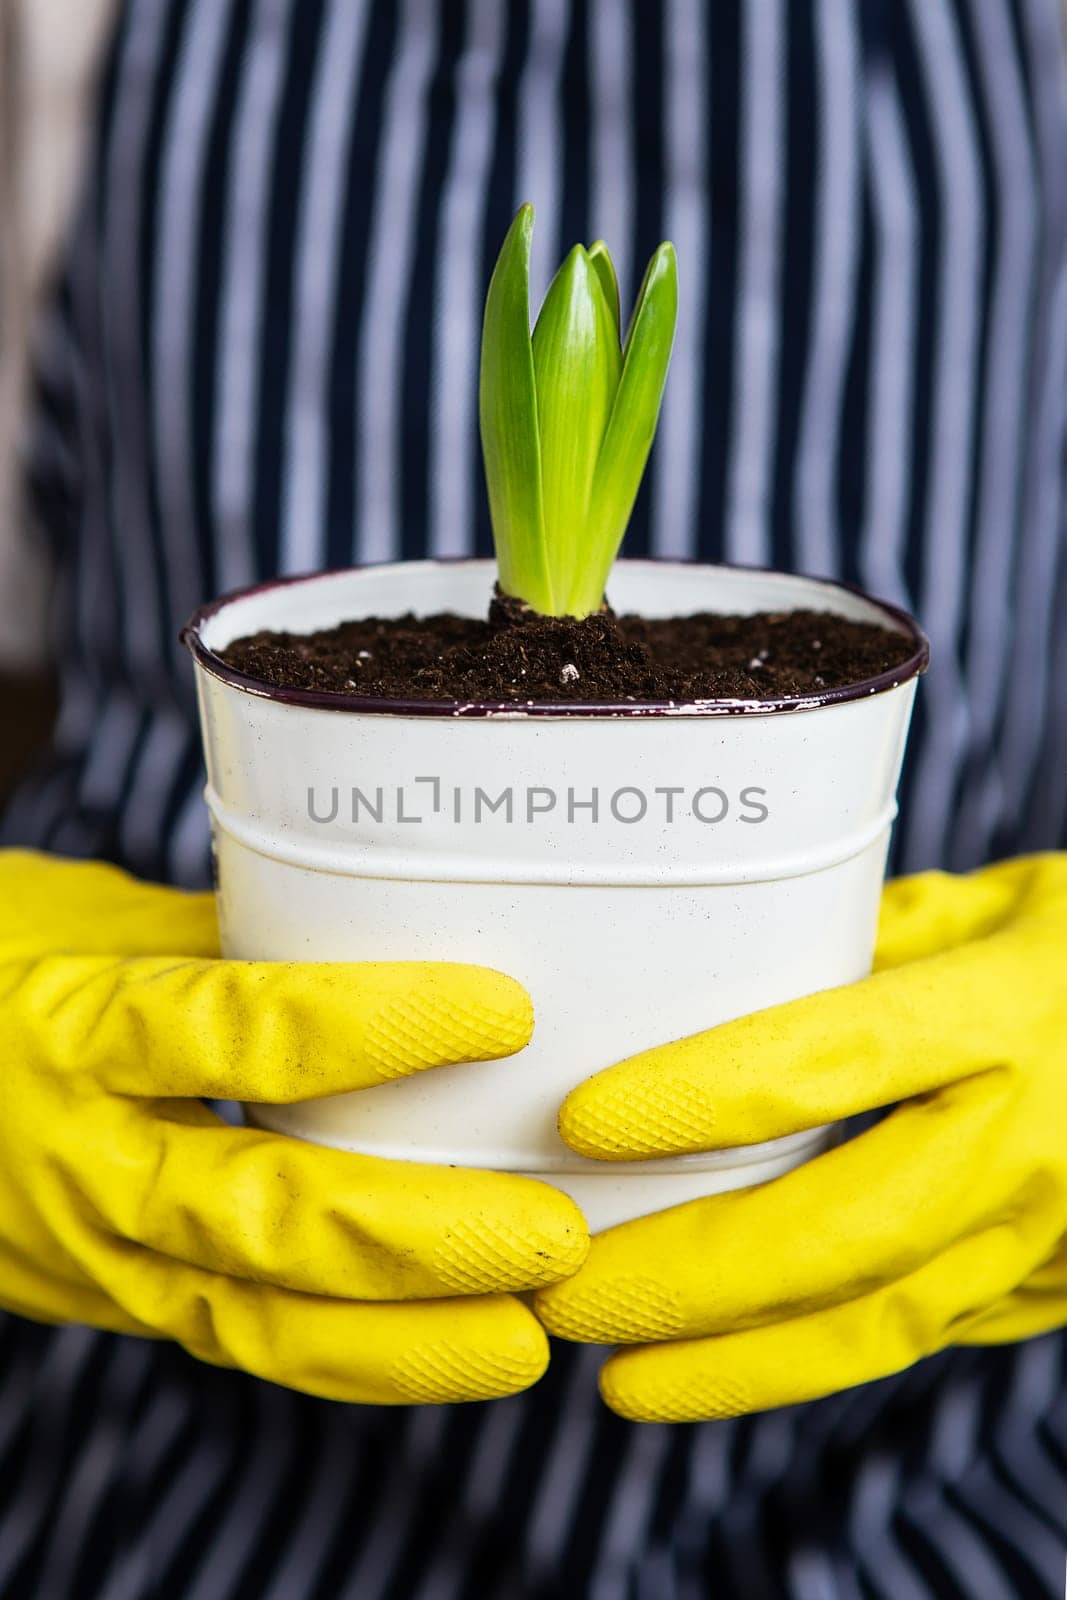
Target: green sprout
<point>568,416</point>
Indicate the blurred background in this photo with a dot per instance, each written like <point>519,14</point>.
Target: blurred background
<point>49,51</point>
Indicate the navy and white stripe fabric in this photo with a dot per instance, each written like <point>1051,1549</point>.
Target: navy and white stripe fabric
<point>262,359</point>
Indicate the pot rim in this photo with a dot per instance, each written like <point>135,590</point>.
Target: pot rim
<point>380,705</point>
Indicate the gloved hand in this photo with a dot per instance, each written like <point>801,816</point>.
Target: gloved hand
<point>126,1203</point>
<point>944,1223</point>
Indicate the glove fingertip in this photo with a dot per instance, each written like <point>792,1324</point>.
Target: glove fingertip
<point>585,1129</point>
<point>469,1014</point>
<point>557,1232</point>
<point>514,1356</point>
<point>540,1240</point>
<point>504,997</point>
<point>615,1117</point>
<point>662,1385</point>
<point>563,1251</point>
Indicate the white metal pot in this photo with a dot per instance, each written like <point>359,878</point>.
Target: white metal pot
<point>646,871</point>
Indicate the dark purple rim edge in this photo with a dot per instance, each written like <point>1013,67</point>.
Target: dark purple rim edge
<point>379,705</point>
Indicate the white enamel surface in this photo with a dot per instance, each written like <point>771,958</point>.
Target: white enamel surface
<point>627,934</point>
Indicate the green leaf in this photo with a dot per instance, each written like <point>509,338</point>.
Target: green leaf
<point>509,424</point>
<point>567,417</point>
<point>630,429</point>
<point>600,260</point>
<point>577,360</point>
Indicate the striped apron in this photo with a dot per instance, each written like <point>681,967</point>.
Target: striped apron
<point>262,358</point>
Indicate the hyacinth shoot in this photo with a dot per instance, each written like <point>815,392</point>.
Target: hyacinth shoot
<point>568,415</point>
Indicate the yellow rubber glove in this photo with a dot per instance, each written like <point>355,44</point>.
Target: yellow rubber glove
<point>127,1204</point>
<point>945,1223</point>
